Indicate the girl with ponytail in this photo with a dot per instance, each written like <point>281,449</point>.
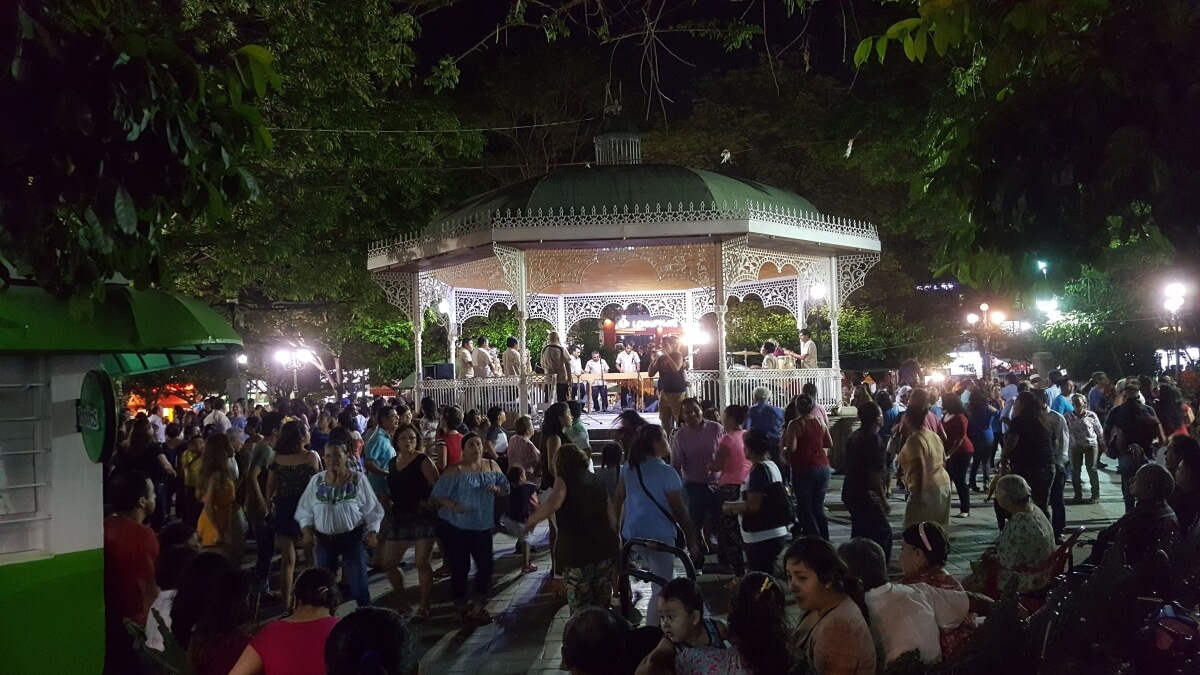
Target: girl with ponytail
<point>757,628</point>
<point>832,637</point>
<point>296,645</point>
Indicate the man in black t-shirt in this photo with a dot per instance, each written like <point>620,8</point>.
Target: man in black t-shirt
<point>1132,428</point>
<point>1029,449</point>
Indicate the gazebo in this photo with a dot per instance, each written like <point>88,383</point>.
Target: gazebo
<point>566,245</point>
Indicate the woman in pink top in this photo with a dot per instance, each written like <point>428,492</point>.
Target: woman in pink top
<point>733,465</point>
<point>296,645</point>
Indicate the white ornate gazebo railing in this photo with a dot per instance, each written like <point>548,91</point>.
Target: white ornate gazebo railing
<point>484,392</point>
<point>784,385</point>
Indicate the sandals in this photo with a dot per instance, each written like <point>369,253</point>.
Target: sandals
<point>477,616</point>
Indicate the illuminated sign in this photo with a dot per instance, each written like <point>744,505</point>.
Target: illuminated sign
<point>645,322</point>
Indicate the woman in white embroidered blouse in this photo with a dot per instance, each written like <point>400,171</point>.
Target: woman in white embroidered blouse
<point>340,512</point>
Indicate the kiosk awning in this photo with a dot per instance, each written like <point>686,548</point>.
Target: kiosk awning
<point>135,331</point>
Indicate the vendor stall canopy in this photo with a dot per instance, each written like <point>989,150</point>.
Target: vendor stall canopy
<point>136,331</point>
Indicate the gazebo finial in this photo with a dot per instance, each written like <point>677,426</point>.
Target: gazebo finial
<point>618,141</point>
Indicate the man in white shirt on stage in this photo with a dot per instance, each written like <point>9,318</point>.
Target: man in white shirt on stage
<point>598,366</point>
<point>464,366</point>
<point>481,359</point>
<point>627,362</point>
<point>808,350</point>
<point>578,388</point>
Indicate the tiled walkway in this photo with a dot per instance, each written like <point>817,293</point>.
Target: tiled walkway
<point>526,635</point>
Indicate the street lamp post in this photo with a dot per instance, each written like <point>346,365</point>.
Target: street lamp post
<point>293,360</point>
<point>1175,293</point>
<point>985,324</point>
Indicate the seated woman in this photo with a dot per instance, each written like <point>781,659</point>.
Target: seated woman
<point>758,629</point>
<point>1026,541</point>
<point>923,553</point>
<point>1151,524</point>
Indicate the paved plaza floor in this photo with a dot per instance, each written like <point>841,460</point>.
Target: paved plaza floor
<point>526,635</point>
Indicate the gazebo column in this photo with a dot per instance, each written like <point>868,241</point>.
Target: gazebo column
<point>689,321</point>
<point>721,304</point>
<point>802,293</point>
<point>835,303</point>
<point>512,264</point>
<point>418,322</point>
<point>561,324</point>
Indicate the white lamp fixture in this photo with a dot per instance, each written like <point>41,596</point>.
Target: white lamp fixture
<point>817,291</point>
<point>998,317</point>
<point>1173,304</point>
<point>242,359</point>
<point>443,306</point>
<point>283,356</point>
<point>972,319</point>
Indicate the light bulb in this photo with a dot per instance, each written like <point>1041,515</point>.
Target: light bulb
<point>972,319</point>
<point>817,291</point>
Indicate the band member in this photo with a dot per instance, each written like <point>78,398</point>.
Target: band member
<point>598,366</point>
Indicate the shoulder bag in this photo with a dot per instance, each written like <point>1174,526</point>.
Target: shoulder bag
<point>777,508</point>
<point>680,538</point>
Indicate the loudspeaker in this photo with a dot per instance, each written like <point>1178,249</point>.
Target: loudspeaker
<point>705,361</point>
<point>439,371</point>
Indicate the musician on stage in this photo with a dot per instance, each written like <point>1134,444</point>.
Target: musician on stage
<point>557,366</point>
<point>770,362</point>
<point>465,367</point>
<point>671,369</point>
<point>808,351</point>
<point>598,366</point>
<point>578,388</point>
<point>627,362</point>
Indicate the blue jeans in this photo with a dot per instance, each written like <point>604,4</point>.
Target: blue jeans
<point>701,503</point>
<point>350,548</point>
<point>600,398</point>
<point>810,486</point>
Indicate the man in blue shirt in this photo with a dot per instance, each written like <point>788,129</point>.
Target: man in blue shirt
<point>1102,395</point>
<point>768,418</point>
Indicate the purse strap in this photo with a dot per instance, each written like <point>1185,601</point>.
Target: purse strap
<point>642,481</point>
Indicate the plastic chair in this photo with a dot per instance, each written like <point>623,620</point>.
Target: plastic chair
<point>1055,565</point>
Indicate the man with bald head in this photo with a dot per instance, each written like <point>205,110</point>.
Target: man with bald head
<point>1151,524</point>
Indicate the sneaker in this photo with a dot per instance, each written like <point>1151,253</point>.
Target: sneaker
<point>964,514</point>
<point>526,569</point>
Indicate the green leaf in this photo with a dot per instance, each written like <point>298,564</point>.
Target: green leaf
<point>921,44</point>
<point>941,39</point>
<point>905,27</point>
<point>265,137</point>
<point>126,213</point>
<point>257,54</point>
<point>881,48</point>
<point>909,47</point>
<point>863,51</point>
<point>259,78</point>
<point>250,182</point>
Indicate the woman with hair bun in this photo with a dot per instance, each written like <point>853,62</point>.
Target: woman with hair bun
<point>757,628</point>
<point>296,645</point>
<point>371,641</point>
<point>924,550</point>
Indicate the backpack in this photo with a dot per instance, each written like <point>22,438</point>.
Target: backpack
<point>777,506</point>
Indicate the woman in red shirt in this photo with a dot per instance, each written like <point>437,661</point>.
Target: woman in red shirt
<point>806,443</point>
<point>296,645</point>
<point>959,450</point>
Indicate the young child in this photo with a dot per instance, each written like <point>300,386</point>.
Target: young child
<point>520,499</point>
<point>611,457</point>
<point>681,616</point>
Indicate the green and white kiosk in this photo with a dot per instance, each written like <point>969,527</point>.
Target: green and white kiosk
<point>58,421</point>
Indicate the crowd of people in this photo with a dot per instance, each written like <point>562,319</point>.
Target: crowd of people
<point>353,487</point>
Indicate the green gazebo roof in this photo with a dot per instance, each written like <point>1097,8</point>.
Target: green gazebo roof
<point>135,331</point>
<point>624,186</point>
